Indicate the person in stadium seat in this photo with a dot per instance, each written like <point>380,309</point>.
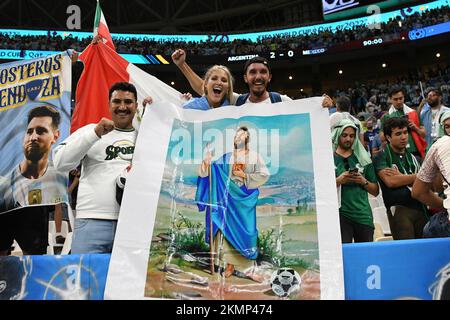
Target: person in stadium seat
<point>396,168</point>
<point>444,124</point>
<point>257,75</point>
<point>431,185</point>
<point>104,149</point>
<point>372,136</point>
<point>343,104</point>
<point>430,114</point>
<point>355,177</point>
<point>435,169</point>
<point>416,131</point>
<point>217,88</point>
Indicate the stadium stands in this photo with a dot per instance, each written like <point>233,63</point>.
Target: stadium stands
<point>324,39</point>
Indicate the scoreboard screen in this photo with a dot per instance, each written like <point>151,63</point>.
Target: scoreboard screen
<point>344,9</point>
<point>330,6</point>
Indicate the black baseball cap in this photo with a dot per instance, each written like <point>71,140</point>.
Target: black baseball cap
<point>257,59</point>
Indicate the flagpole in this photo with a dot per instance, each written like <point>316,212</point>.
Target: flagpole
<point>421,89</point>
<point>211,254</point>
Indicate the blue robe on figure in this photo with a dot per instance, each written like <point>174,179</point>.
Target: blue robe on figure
<point>233,208</point>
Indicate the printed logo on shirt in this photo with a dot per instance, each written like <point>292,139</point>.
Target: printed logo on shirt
<point>35,196</point>
<point>123,149</point>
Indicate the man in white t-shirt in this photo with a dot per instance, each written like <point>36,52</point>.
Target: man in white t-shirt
<point>104,149</point>
<point>257,76</point>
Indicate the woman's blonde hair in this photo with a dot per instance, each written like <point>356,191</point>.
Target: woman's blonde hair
<point>208,74</point>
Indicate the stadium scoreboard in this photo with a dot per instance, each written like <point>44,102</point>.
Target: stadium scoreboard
<point>330,6</point>
<point>335,10</point>
<point>281,54</point>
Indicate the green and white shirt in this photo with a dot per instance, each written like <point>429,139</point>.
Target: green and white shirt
<point>411,146</point>
<point>354,198</point>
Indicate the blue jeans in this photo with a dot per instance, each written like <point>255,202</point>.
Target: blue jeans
<point>93,236</point>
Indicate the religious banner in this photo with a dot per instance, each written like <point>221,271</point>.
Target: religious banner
<point>231,203</point>
<point>35,99</point>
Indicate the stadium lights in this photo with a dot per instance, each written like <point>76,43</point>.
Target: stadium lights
<point>341,72</point>
<point>438,55</point>
<point>290,77</point>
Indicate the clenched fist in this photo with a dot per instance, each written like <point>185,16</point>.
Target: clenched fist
<point>179,57</point>
<point>147,100</point>
<point>327,102</point>
<point>103,127</point>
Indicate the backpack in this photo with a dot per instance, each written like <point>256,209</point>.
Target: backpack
<point>274,98</point>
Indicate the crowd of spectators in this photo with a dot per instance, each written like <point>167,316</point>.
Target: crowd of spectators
<point>324,39</point>
<point>372,95</point>
<point>365,96</point>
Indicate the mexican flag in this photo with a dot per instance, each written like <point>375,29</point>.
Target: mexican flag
<point>103,66</point>
<point>101,28</point>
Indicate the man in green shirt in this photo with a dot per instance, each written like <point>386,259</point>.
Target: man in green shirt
<point>355,178</point>
<point>396,168</point>
<point>400,110</point>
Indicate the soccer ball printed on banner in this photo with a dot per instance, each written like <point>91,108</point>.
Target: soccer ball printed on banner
<point>285,281</point>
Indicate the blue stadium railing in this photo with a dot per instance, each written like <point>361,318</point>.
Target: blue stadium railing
<point>403,269</point>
